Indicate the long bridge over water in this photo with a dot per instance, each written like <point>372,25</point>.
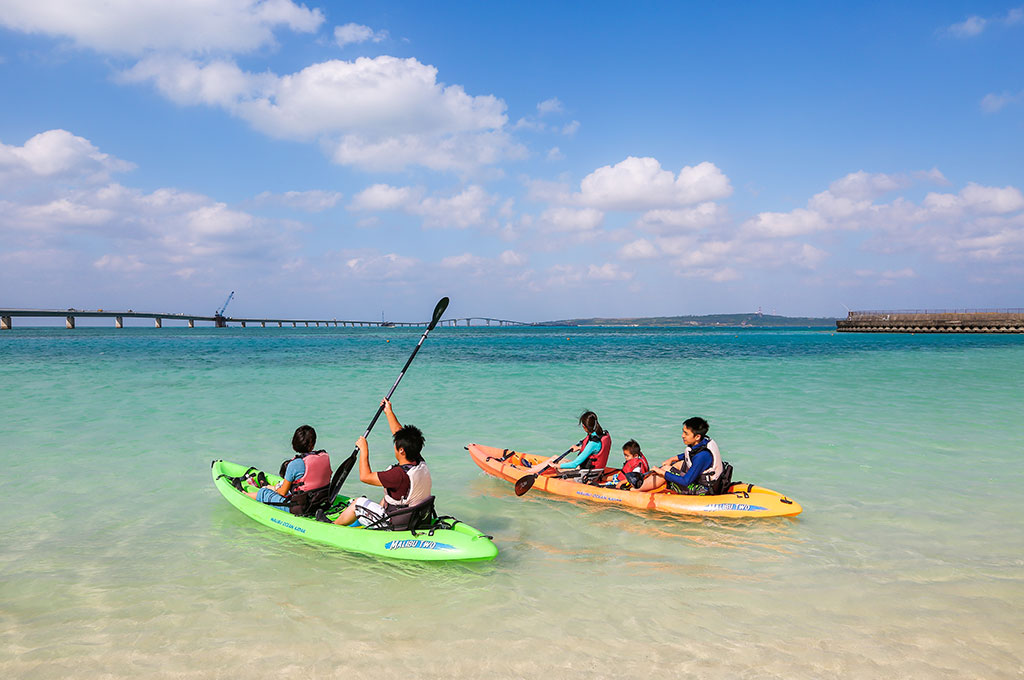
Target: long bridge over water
<point>7,317</point>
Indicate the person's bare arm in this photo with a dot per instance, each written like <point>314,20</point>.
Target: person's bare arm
<point>366,475</point>
<point>392,419</point>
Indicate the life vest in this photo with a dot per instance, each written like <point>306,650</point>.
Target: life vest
<point>317,474</point>
<point>419,487</point>
<point>638,464</point>
<point>713,472</point>
<point>600,459</point>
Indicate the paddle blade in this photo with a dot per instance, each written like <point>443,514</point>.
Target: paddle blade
<point>442,305</point>
<point>523,484</point>
<point>341,474</point>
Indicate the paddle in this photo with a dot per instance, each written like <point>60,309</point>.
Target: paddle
<point>346,466</point>
<point>523,484</point>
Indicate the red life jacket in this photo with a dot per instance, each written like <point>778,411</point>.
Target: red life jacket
<point>638,464</point>
<point>318,472</point>
<point>599,459</point>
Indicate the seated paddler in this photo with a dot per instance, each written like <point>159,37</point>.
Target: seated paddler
<point>591,451</point>
<point>405,483</point>
<point>694,471</point>
<point>634,468</point>
<point>307,471</point>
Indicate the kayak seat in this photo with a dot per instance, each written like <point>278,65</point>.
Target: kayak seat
<point>724,481</point>
<point>306,503</point>
<point>421,516</point>
<point>583,475</point>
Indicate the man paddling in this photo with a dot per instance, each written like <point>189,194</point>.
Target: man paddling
<point>702,463</point>
<point>406,483</point>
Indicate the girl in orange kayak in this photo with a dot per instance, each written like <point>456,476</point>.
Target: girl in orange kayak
<point>592,450</point>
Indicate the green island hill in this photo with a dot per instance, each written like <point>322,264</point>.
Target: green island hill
<point>752,320</point>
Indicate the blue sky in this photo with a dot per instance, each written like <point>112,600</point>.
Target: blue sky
<point>532,161</point>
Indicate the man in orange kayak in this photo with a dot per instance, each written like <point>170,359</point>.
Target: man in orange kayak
<point>701,463</point>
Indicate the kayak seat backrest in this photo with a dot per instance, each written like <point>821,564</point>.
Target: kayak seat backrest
<point>305,503</point>
<point>410,518</point>
<point>724,481</point>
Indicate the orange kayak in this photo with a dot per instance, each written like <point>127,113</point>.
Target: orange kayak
<point>743,500</point>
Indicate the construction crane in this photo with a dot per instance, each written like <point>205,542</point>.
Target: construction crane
<point>218,317</point>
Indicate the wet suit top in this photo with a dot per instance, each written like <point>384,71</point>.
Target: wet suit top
<point>587,451</point>
<point>700,462</point>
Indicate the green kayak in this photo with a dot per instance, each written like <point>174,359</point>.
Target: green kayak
<point>445,539</point>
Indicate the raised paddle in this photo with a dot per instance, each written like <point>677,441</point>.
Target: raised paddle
<point>523,484</point>
<point>338,480</point>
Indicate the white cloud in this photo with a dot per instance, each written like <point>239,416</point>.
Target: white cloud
<point>968,28</point>
<point>976,223</point>
<point>385,197</point>
<point>886,277</point>
<point>512,258</point>
<point>608,271</point>
<point>58,154</point>
<point>846,204</point>
<point>548,106</point>
<point>350,34</point>
<point>976,200</point>
<point>314,200</point>
<point>698,217</point>
<point>993,103</point>
<point>171,227</point>
<point>138,26</point>
<point>571,128</point>
<point>555,154</point>
<point>382,113</point>
<point>782,225</point>
<point>638,250</point>
<point>372,265</point>
<point>933,176</point>
<point>568,275</point>
<point>544,191</point>
<point>458,151</point>
<point>464,260</point>
<point>119,263</point>
<point>468,208</point>
<point>865,185</point>
<point>642,184</point>
<point>975,25</point>
<point>560,218</point>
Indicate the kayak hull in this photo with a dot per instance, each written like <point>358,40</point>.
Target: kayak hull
<point>460,543</point>
<point>743,500</point>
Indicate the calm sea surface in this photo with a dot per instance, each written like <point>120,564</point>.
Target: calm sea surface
<point>119,558</point>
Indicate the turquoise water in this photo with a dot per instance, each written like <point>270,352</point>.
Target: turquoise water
<point>120,559</point>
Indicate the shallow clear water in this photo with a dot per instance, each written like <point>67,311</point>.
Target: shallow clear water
<point>120,559</point>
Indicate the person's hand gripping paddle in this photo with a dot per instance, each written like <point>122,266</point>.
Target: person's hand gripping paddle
<point>346,466</point>
<point>523,484</point>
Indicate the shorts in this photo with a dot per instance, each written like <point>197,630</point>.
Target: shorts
<point>267,495</point>
<point>368,511</point>
<point>672,479</point>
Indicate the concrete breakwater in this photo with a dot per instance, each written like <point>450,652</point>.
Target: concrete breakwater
<point>934,321</point>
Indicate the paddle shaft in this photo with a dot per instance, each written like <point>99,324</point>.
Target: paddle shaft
<point>526,483</point>
<point>438,311</point>
<point>380,409</point>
